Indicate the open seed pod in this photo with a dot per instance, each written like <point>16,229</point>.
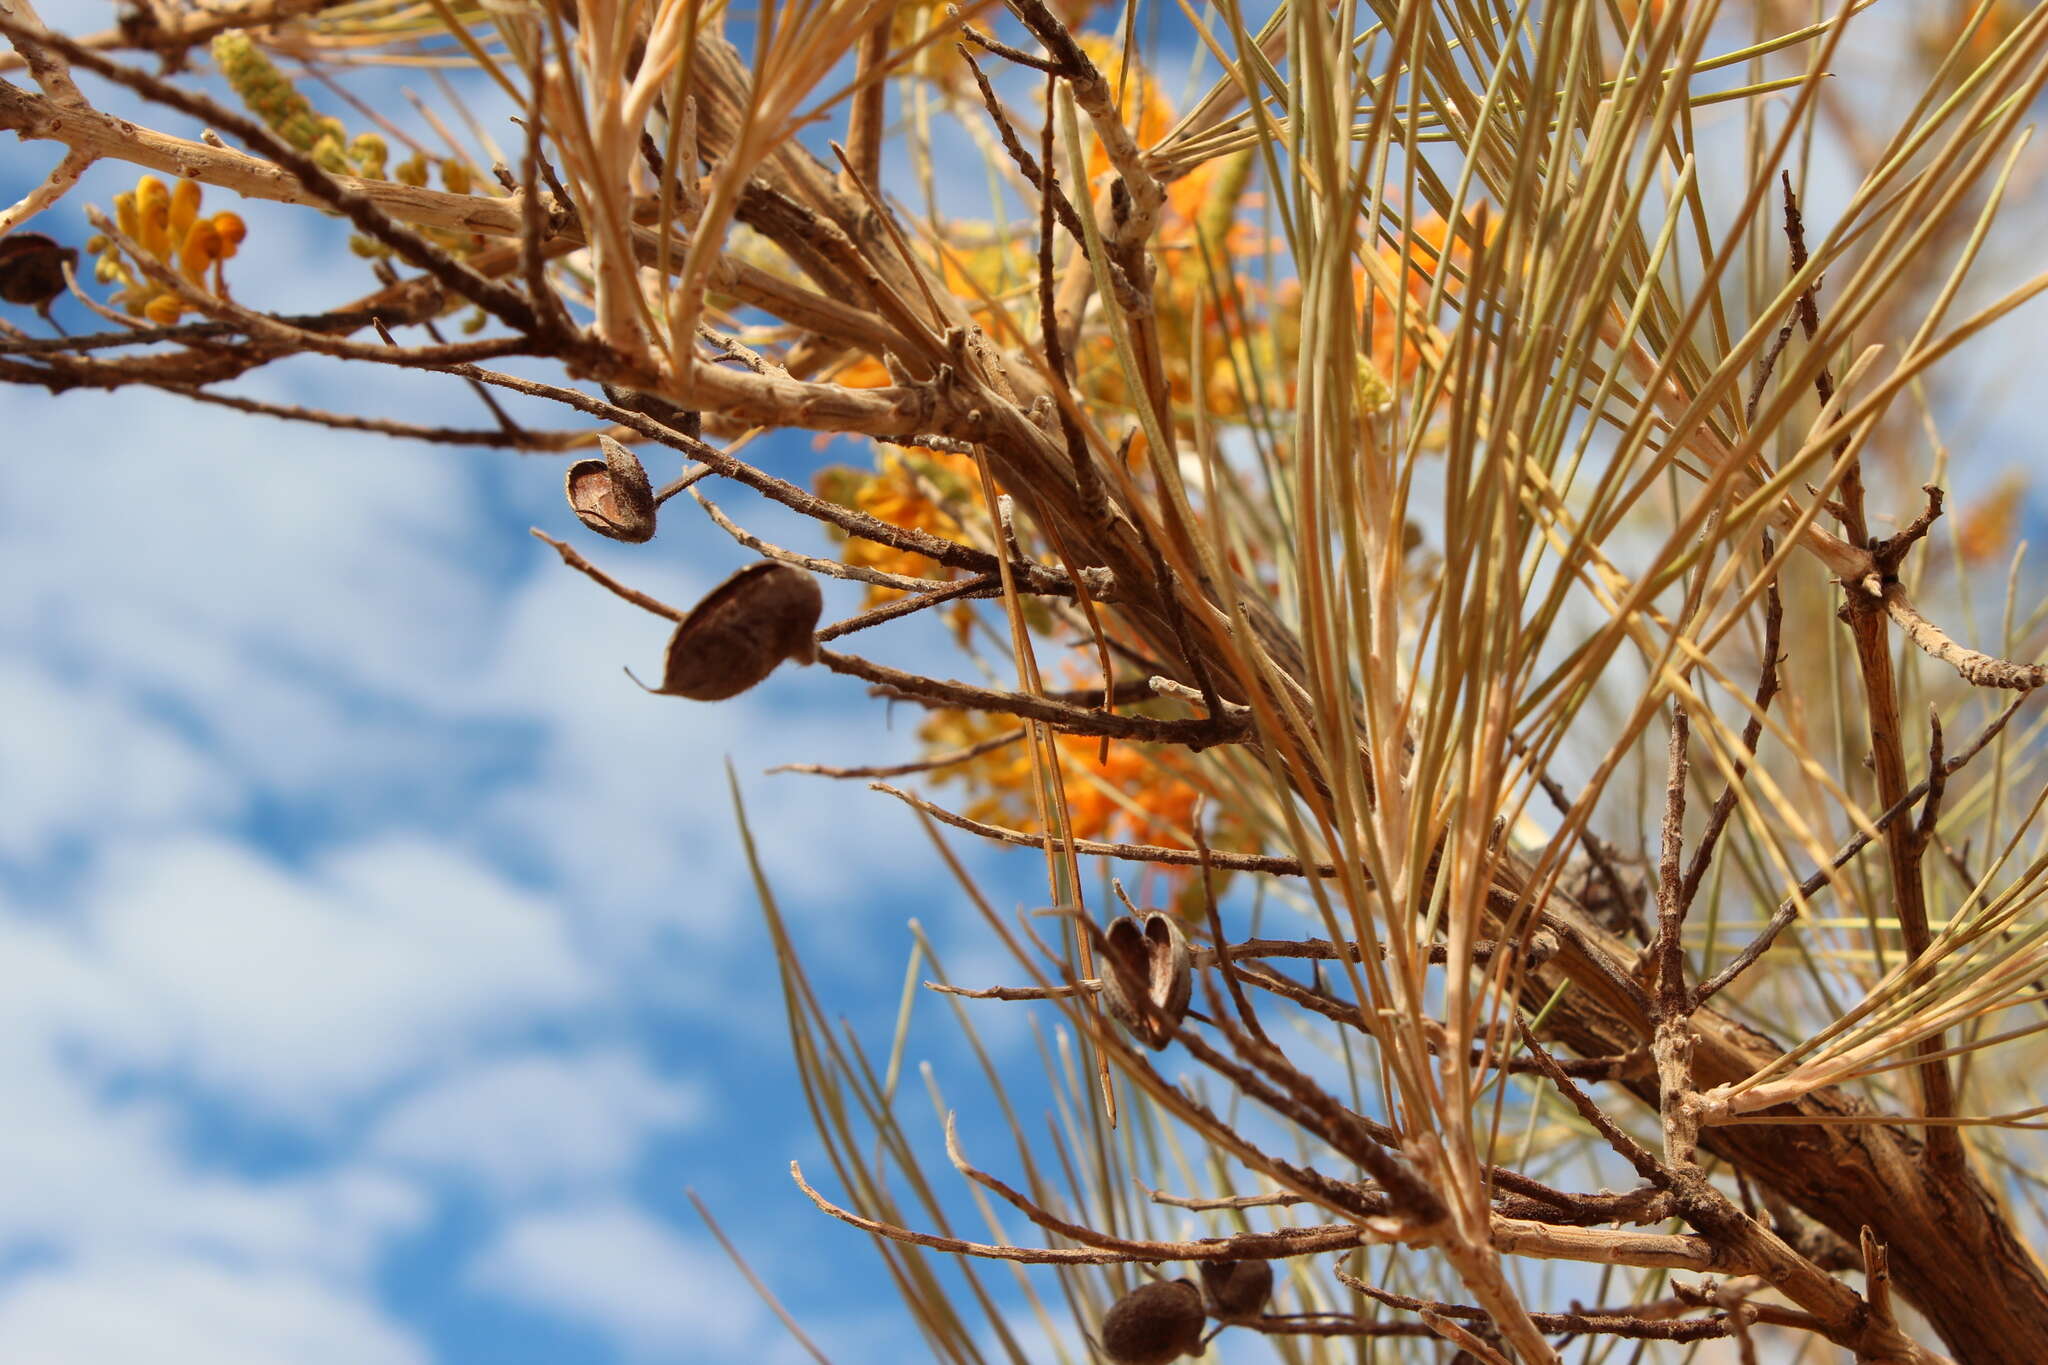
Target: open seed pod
<point>1148,976</point>
<point>1154,1324</point>
<point>1237,1290</point>
<point>742,629</point>
<point>612,496</point>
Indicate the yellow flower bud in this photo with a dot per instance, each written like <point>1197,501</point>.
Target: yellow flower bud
<point>202,249</point>
<point>455,175</point>
<point>164,309</point>
<point>127,216</point>
<point>156,226</point>
<point>184,207</point>
<point>232,230</point>
<point>412,171</point>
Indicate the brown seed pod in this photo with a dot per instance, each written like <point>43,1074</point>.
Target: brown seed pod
<point>1148,976</point>
<point>1237,1290</point>
<point>1154,1324</point>
<point>32,269</point>
<point>742,629</point>
<point>612,496</point>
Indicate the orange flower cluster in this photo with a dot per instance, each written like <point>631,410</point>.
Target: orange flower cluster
<point>1986,524</point>
<point>1393,355</point>
<point>165,222</point>
<point>922,490</point>
<point>1434,247</point>
<point>1244,333</point>
<point>1940,26</point>
<point>1139,793</point>
<point>1201,241</point>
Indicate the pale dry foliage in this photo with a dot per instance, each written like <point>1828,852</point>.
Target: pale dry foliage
<point>1435,449</point>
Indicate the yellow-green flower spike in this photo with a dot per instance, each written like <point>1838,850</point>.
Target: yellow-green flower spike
<point>369,154</point>
<point>1374,393</point>
<point>264,89</point>
<point>327,151</point>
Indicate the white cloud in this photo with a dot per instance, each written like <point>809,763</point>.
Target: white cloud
<point>537,1123</point>
<point>301,993</point>
<point>79,762</point>
<point>96,1173</point>
<point>616,1269</point>
<point>163,1310</point>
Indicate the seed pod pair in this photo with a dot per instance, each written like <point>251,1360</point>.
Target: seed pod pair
<point>741,631</point>
<point>1148,976</point>
<point>612,496</point>
<point>1154,1324</point>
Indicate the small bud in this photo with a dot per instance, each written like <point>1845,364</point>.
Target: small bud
<point>612,496</point>
<point>153,205</point>
<point>32,269</point>
<point>1154,1324</point>
<point>368,151</point>
<point>232,230</point>
<point>201,249</point>
<point>741,631</point>
<point>1237,1290</point>
<point>184,207</point>
<point>1148,976</point>
<point>328,153</point>
<point>164,310</point>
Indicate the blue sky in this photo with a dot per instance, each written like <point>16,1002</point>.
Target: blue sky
<point>381,967</point>
<point>379,963</point>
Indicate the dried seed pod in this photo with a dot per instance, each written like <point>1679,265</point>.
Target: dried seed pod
<point>1154,1324</point>
<point>612,496</point>
<point>1148,976</point>
<point>742,629</point>
<point>32,269</point>
<point>1237,1290</point>
<point>657,407</point>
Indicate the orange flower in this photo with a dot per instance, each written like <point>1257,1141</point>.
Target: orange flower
<point>866,372</point>
<point>1985,528</point>
<point>1138,793</point>
<point>1428,257</point>
<point>914,488</point>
